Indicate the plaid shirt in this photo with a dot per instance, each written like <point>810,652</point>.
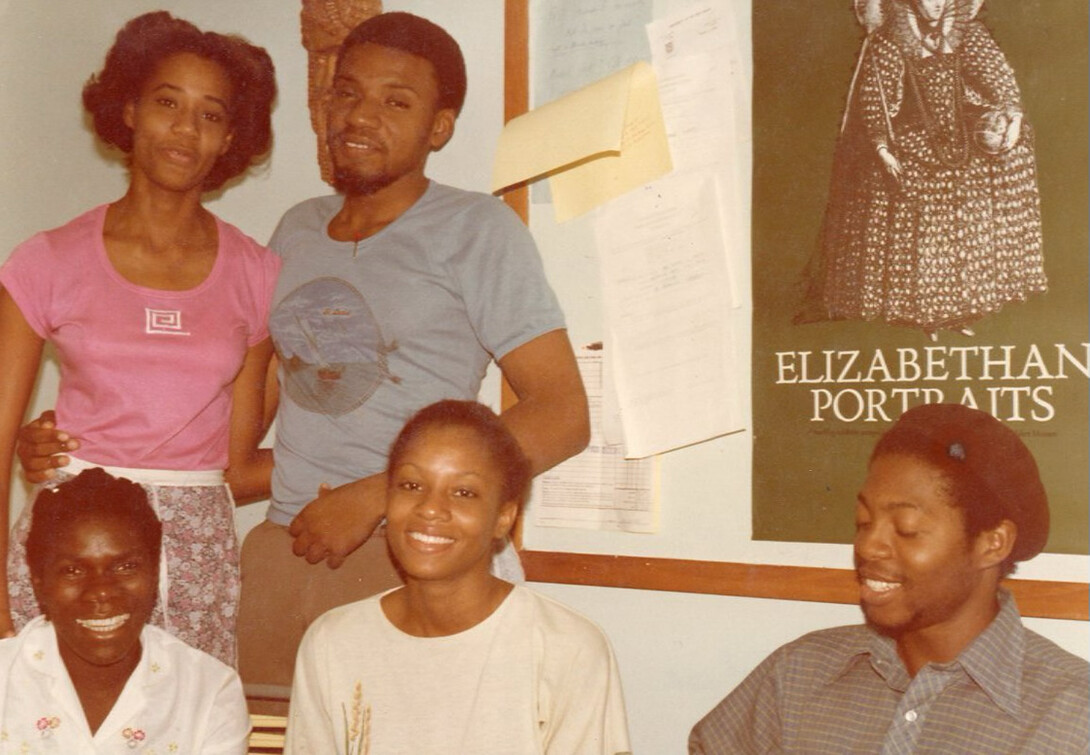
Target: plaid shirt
<point>846,690</point>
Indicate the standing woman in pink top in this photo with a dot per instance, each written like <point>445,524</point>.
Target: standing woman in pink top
<point>157,311</point>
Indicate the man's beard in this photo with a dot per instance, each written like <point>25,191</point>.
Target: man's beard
<point>353,184</point>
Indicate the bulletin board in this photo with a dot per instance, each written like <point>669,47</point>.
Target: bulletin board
<point>663,571</point>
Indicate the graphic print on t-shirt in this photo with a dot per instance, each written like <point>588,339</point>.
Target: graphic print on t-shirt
<point>163,321</point>
<point>330,346</point>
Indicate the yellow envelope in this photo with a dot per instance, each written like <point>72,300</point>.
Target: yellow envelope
<point>594,144</point>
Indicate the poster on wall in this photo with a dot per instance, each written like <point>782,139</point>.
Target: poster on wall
<point>919,235</point>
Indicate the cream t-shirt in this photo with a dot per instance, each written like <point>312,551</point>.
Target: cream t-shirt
<point>534,677</point>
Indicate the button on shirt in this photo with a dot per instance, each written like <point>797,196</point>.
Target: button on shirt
<point>846,690</point>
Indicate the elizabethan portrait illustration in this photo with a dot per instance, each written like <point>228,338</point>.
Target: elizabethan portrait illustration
<point>933,217</point>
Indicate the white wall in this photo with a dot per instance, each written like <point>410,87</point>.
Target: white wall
<point>678,653</point>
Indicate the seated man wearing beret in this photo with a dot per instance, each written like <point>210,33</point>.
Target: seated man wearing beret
<point>952,499</point>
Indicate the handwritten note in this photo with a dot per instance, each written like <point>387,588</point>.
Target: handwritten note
<point>576,42</point>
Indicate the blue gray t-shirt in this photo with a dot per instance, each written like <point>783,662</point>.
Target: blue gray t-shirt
<point>415,316</point>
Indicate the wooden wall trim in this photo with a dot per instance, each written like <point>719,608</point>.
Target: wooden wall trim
<point>1051,600</point>
<point>516,101</point>
<point>516,83</point>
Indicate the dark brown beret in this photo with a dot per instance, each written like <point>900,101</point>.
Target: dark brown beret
<point>965,441</point>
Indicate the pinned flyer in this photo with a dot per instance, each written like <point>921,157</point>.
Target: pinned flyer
<point>594,144</point>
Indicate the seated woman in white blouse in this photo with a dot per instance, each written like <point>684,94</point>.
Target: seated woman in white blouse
<point>457,660</point>
<point>89,675</point>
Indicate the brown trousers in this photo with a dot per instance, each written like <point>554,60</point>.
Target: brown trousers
<point>282,594</point>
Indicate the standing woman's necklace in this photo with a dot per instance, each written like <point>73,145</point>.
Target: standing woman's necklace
<point>357,237</point>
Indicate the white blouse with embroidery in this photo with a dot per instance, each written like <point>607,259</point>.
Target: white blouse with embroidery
<point>178,700</point>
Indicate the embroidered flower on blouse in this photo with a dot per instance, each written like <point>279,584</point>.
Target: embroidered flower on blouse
<point>133,737</point>
<point>46,725</point>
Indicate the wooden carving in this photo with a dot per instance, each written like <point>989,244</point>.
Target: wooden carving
<point>325,24</point>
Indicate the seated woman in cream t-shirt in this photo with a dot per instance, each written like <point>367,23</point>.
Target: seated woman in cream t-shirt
<point>457,660</point>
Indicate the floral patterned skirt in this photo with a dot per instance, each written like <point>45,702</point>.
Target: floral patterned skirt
<point>198,572</point>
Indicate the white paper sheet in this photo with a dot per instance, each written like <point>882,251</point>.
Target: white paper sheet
<point>704,91</point>
<point>667,293</point>
<point>599,488</point>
